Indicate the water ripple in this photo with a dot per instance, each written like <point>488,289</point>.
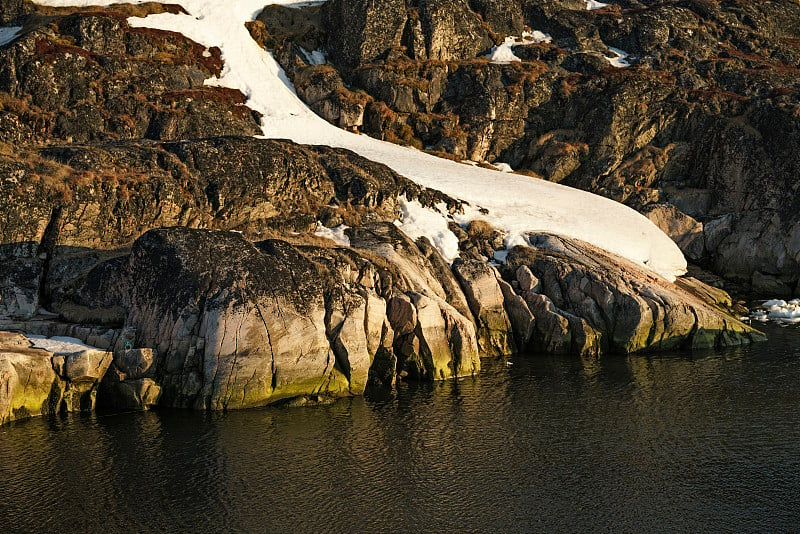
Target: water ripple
<point>709,441</point>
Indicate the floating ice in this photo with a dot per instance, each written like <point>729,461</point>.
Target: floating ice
<point>778,311</point>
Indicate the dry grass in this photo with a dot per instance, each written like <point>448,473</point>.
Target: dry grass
<point>123,10</point>
<point>480,230</point>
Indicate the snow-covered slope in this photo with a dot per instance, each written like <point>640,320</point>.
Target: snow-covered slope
<point>516,204</point>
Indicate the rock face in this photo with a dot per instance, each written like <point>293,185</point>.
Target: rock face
<point>36,382</point>
<point>28,380</point>
<point>20,278</point>
<point>485,298</point>
<point>590,303</point>
<point>698,133</point>
<point>137,209</point>
<point>238,325</point>
<point>91,77</point>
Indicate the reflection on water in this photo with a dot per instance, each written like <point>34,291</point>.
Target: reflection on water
<point>703,442</point>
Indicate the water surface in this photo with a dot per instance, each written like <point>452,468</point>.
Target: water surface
<point>708,441</point>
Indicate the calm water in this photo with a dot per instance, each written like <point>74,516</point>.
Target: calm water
<point>703,442</point>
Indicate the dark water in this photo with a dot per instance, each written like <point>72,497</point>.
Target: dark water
<point>703,442</point>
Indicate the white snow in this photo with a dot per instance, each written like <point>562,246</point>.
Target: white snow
<point>591,5</point>
<point>503,53</point>
<point>502,167</point>
<point>315,57</point>
<point>8,34</point>
<point>336,234</point>
<point>516,204</point>
<point>59,345</point>
<point>417,221</point>
<point>620,60</point>
<point>779,311</point>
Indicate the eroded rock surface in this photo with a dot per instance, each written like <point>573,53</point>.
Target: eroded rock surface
<point>698,131</point>
<point>35,381</point>
<point>590,303</point>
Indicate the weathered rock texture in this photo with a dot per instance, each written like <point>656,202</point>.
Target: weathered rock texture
<point>699,133</point>
<point>136,209</point>
<point>38,382</point>
<point>238,324</point>
<point>581,300</point>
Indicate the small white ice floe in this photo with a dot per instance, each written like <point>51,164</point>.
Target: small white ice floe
<point>504,53</point>
<point>620,59</point>
<point>778,311</point>
<point>591,5</point>
<point>336,234</point>
<point>8,34</point>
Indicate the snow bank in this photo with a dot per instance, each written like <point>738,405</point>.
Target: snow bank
<point>59,345</point>
<point>8,34</point>
<point>516,204</point>
<point>502,167</point>
<point>417,221</point>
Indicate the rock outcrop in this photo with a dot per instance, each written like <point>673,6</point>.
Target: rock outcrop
<point>137,209</point>
<point>34,381</point>
<point>697,132</point>
<point>238,324</point>
<point>584,301</point>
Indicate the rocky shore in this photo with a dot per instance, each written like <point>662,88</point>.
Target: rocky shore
<point>182,258</point>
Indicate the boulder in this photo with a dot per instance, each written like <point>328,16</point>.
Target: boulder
<point>592,303</point>
<point>28,384</point>
<point>479,282</point>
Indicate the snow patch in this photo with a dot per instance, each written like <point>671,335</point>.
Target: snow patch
<point>516,204</point>
<point>8,34</point>
<point>59,345</point>
<point>315,57</point>
<point>620,59</point>
<point>336,234</point>
<point>591,5</point>
<point>500,256</point>
<point>504,53</point>
<point>417,221</point>
<point>502,167</point>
